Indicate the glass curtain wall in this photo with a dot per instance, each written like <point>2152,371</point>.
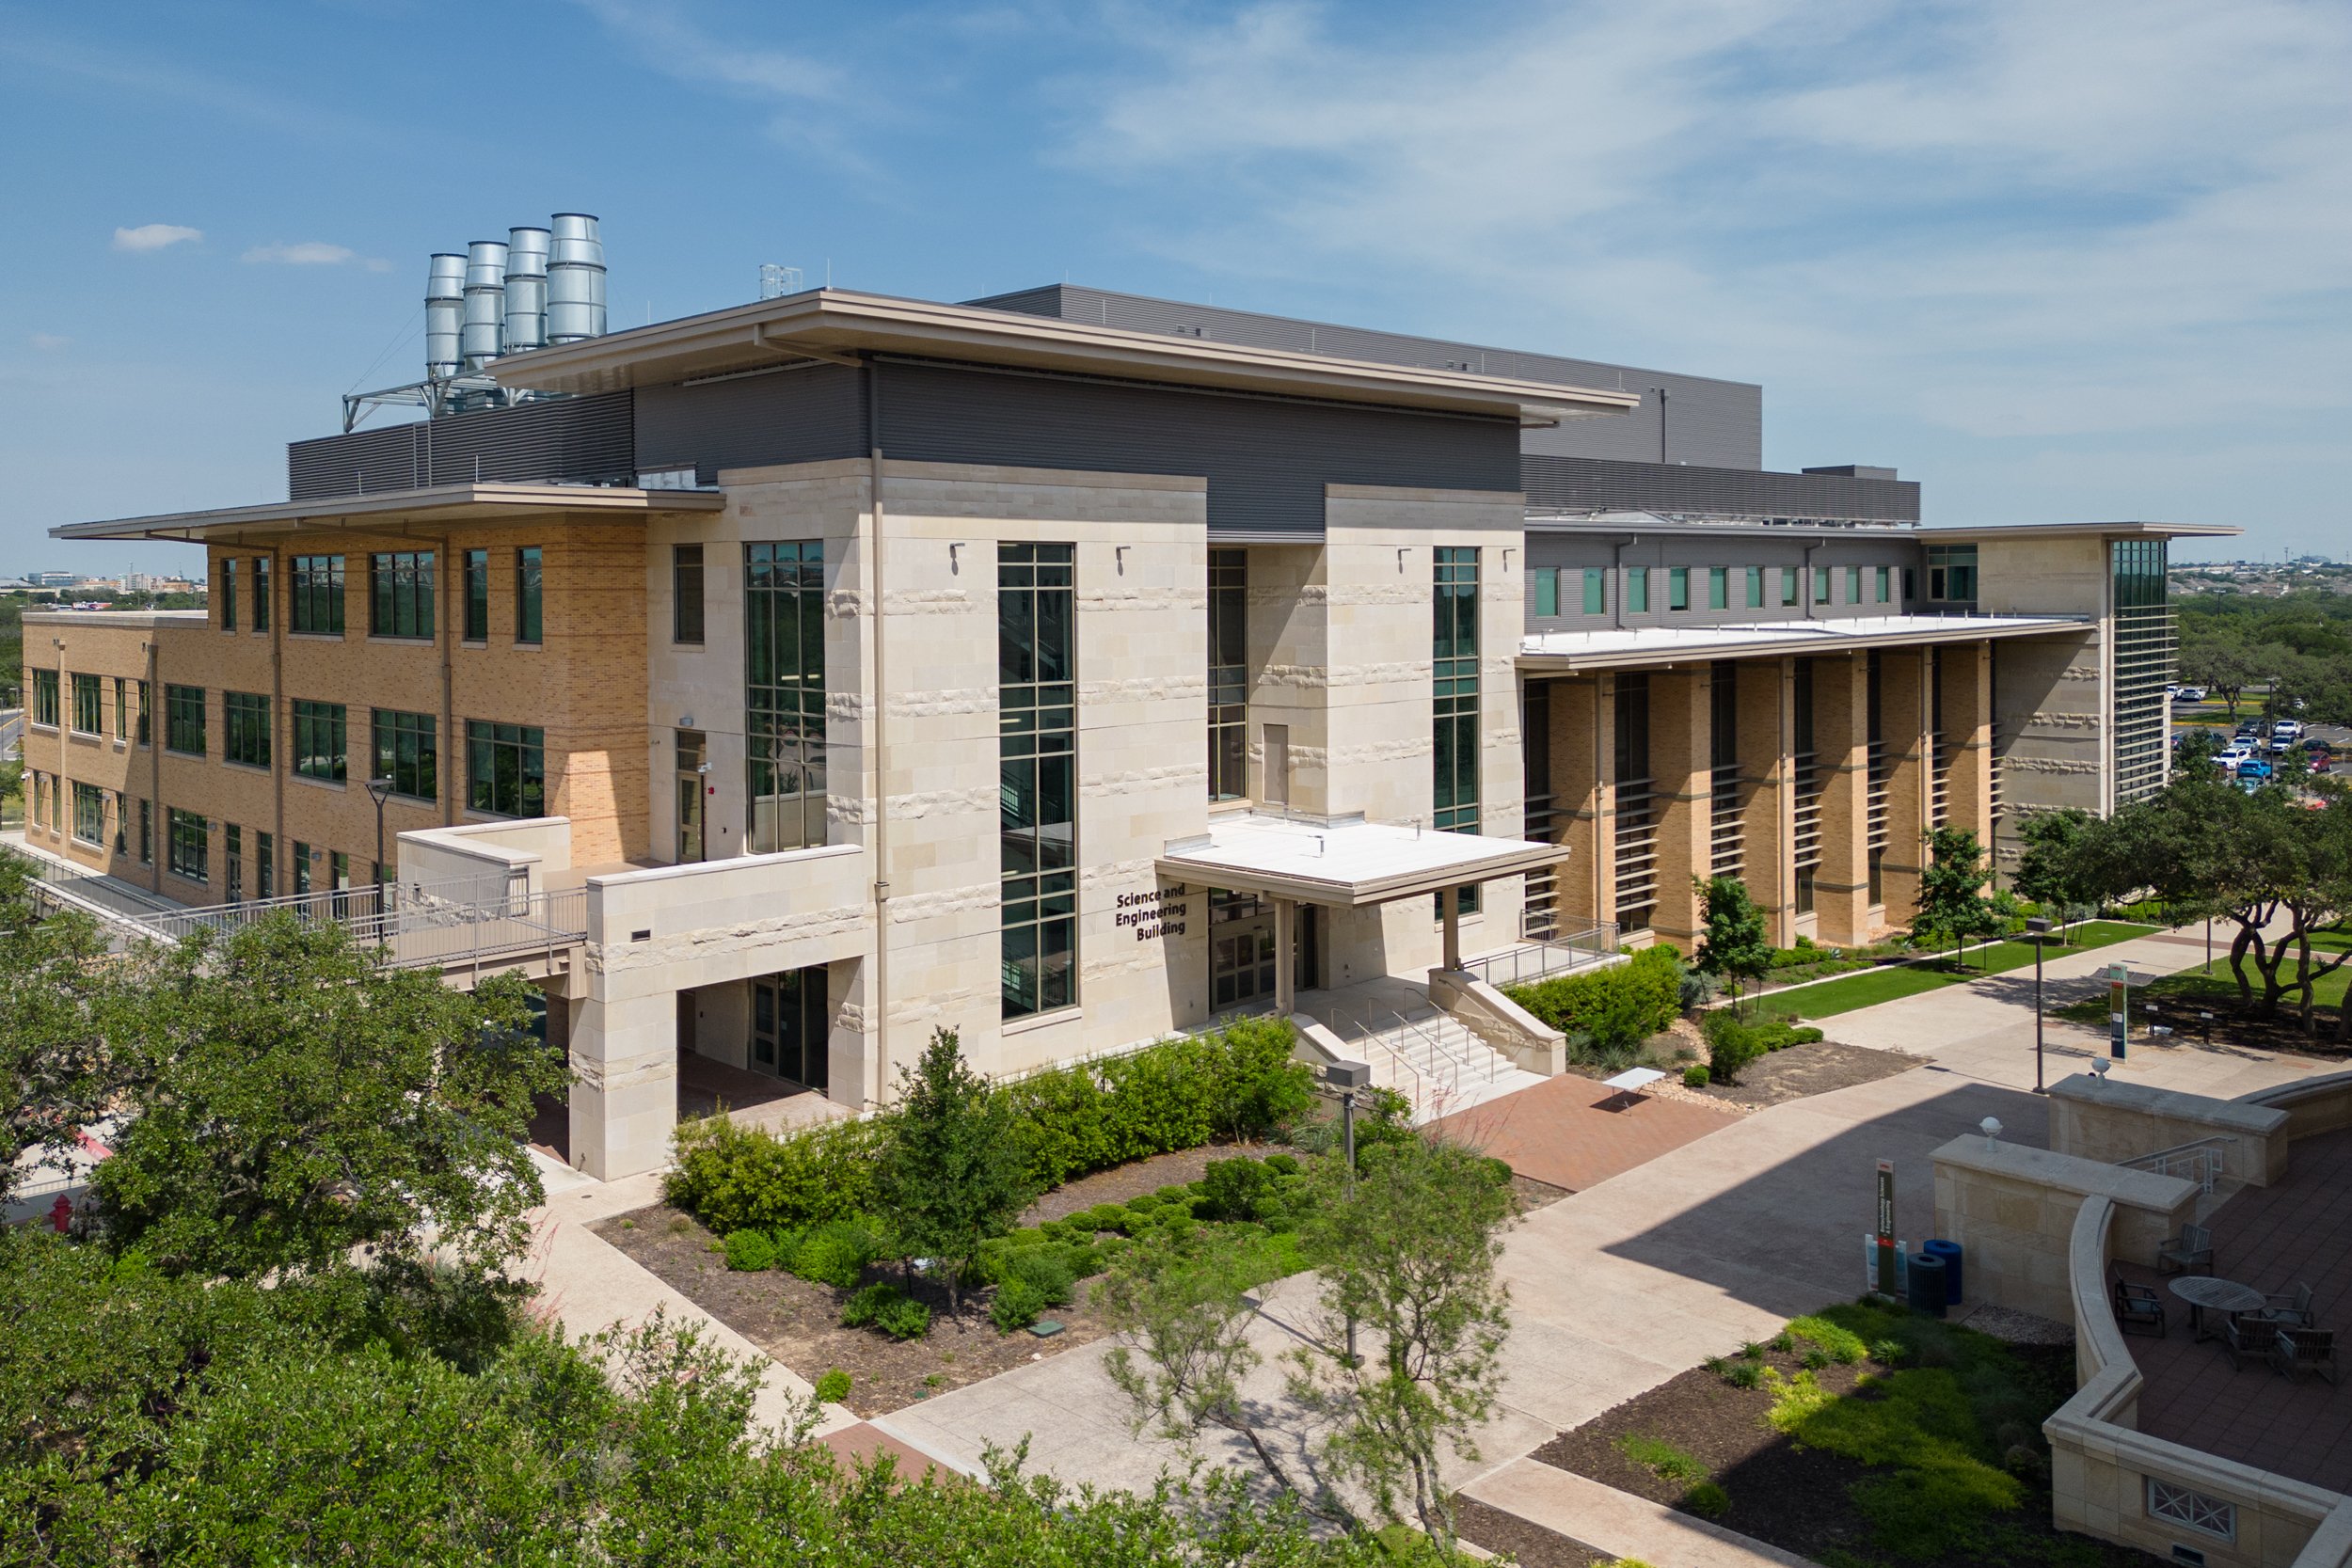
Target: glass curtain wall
<point>784,636</point>
<point>2143,663</point>
<point>1229,674</point>
<point>1037,754</point>
<point>1453,651</point>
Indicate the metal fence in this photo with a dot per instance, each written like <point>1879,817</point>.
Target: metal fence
<point>1567,947</point>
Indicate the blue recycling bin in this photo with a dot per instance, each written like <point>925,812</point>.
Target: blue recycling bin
<point>1949,1252</point>
<point>1927,1283</point>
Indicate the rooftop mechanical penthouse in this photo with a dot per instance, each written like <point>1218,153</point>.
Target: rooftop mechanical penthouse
<point>778,683</point>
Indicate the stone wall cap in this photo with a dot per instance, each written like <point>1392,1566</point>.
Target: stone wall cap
<point>2177,1104</point>
<point>2070,1173</point>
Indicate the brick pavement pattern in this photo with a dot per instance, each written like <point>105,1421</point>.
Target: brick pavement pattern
<point>1573,1132</point>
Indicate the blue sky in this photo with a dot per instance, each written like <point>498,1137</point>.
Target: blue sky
<point>2086,260</point>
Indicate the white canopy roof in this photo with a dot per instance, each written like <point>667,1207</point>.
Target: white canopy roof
<point>1344,859</point>
<point>1622,645</point>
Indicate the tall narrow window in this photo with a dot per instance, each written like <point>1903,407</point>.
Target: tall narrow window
<point>1881,584</point>
<point>1823,581</point>
<point>264,866</point>
<point>1547,591</point>
<point>694,762</point>
<point>477,595</point>
<point>147,832</point>
<point>400,592</point>
<point>122,708</point>
<point>1853,585</point>
<point>1788,588</point>
<point>232,862</point>
<point>784,694</point>
<point>89,813</point>
<point>527,605</point>
<point>1719,588</point>
<point>226,591</point>
<point>1229,674</point>
<point>301,866</point>
<point>261,593</point>
<point>142,713</point>
<point>245,716</point>
<point>1755,587</point>
<point>1596,591</point>
<point>183,719</point>
<point>1037,758</point>
<point>1453,694</point>
<point>1679,588</point>
<point>1637,590</point>
<point>89,705</point>
<point>190,846</point>
<point>45,698</point>
<point>686,593</point>
<point>319,747</point>
<point>316,591</point>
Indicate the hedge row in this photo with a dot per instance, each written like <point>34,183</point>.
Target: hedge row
<point>1179,1094</point>
<point>1617,1008</point>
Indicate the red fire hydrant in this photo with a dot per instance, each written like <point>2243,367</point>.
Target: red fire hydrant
<point>61,1213</point>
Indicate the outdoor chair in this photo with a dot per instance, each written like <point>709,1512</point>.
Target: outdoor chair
<point>2139,1306</point>
<point>2190,1252</point>
<point>2292,1309</point>
<point>2245,1336</point>
<point>2304,1350</point>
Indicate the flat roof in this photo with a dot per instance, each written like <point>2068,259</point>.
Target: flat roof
<point>2083,530</point>
<point>1621,646</point>
<point>836,325</point>
<point>1652,522</point>
<point>443,503</point>
<point>125,618</point>
<point>1343,861</point>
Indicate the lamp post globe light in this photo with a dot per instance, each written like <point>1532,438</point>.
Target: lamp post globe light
<point>2038,931</point>
<point>379,790</point>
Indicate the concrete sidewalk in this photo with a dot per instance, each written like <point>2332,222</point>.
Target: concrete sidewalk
<point>1619,1523</point>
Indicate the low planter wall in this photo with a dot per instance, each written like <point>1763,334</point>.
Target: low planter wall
<point>1500,1021</point>
<point>2321,1104</point>
<point>2114,1122</point>
<point>2013,1209</point>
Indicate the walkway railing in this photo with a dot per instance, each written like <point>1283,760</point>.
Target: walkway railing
<point>2203,1161</point>
<point>1540,954</point>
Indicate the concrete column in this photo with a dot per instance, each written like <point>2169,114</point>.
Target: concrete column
<point>1966,672</point>
<point>1903,715</point>
<point>624,1103</point>
<point>1286,953</point>
<point>1841,750</point>
<point>1768,815</point>
<point>1682,783</point>
<point>1583,751</point>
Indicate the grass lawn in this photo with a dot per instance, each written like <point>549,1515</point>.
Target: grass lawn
<point>2195,990</point>
<point>1892,981</point>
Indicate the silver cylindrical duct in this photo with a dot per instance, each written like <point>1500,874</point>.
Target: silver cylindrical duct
<point>575,279</point>
<point>526,289</point>
<point>485,302</point>
<point>444,310</point>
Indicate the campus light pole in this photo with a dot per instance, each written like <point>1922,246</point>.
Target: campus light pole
<point>2038,927</point>
<point>379,790</point>
<point>1348,1077</point>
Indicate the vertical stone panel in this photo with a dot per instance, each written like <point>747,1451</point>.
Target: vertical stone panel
<point>1841,745</point>
<point>1966,672</point>
<point>1768,815</point>
<point>1903,716</point>
<point>1681,785</point>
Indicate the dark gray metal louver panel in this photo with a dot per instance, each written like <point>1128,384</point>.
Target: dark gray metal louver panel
<point>802,415</point>
<point>589,440</point>
<point>1589,485</point>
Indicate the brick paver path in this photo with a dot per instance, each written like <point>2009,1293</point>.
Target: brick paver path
<point>1558,1132</point>
<point>2268,1238</point>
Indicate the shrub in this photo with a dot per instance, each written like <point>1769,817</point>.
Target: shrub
<point>1731,1045</point>
<point>888,1308</point>
<point>1046,1272</point>
<point>1617,1009</point>
<point>837,1254</point>
<point>734,1178</point>
<point>1745,1374</point>
<point>834,1387</point>
<point>750,1251</point>
<point>1706,1499</point>
<point>1235,1188</point>
<point>1282,1164</point>
<point>1694,1076</point>
<point>1016,1305</point>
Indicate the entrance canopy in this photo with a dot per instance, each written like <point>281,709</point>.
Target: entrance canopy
<point>1343,861</point>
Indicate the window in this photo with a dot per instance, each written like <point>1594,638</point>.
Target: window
<point>1824,585</point>
<point>1637,590</point>
<point>301,866</point>
<point>477,595</point>
<point>1719,588</point>
<point>142,713</point>
<point>1788,587</point>
<point>1454,695</point>
<point>2142,639</point>
<point>89,705</point>
<point>183,719</point>
<point>1037,790</point>
<point>122,708</point>
<point>1229,674</point>
<point>317,591</point>
<point>400,594</point>
<point>784,694</point>
<point>89,813</point>
<point>692,751</point>
<point>122,823</point>
<point>505,768</point>
<point>2181,1506</point>
<point>320,751</point>
<point>686,593</point>
<point>147,833</point>
<point>527,595</point>
<point>45,698</point>
<point>1853,585</point>
<point>1952,572</point>
<point>1596,591</point>
<point>1547,591</point>
<point>1755,587</point>
<point>1879,586</point>
<point>190,846</point>
<point>227,594</point>
<point>408,752</point>
<point>232,863</point>
<point>245,716</point>
<point>1679,588</point>
<point>1911,583</point>
<point>261,593</point>
<point>264,866</point>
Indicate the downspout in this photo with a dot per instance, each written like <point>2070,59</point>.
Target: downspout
<point>277,716</point>
<point>880,690</point>
<point>1812,604</point>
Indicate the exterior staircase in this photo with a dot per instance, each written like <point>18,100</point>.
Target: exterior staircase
<point>1432,1058</point>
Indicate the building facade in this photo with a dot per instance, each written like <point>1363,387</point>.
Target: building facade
<point>858,667</point>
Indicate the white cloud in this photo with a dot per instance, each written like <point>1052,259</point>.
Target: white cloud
<point>308,253</point>
<point>676,48</point>
<point>156,236</point>
<point>49,343</point>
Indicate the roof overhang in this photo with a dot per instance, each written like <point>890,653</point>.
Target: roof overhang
<point>1343,861</point>
<point>1739,527</point>
<point>1654,647</point>
<point>833,325</point>
<point>440,504</point>
<point>2080,531</point>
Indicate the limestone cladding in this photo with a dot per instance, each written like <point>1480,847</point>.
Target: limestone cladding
<point>2013,1207</point>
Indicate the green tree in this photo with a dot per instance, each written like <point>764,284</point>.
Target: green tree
<point>61,1002</point>
<point>1952,905</point>
<point>956,1171</point>
<point>1407,1257</point>
<point>1737,943</point>
<point>2049,870</point>
<point>296,1097</point>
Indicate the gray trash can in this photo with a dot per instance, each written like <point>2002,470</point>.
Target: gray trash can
<point>1949,1252</point>
<point>1927,1287</point>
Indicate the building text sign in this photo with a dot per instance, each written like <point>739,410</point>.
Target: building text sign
<point>1159,912</point>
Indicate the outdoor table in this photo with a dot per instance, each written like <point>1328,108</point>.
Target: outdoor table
<point>1630,1083</point>
<point>2222,1296</point>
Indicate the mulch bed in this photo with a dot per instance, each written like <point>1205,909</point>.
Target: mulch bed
<point>1138,1177</point>
<point>1533,1544</point>
<point>799,1322</point>
<point>1798,1070</point>
<point>1789,1496</point>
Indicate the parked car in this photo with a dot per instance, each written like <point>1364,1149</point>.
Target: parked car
<point>2189,694</point>
<point>2255,769</point>
<point>2321,762</point>
<point>2286,730</point>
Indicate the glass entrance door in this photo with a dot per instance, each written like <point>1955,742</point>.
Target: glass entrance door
<point>1241,949</point>
<point>792,1025</point>
<point>693,760</point>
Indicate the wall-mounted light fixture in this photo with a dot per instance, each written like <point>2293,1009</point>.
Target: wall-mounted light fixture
<point>1120,551</point>
<point>1506,557</point>
<point>955,559</point>
<point>1400,558</point>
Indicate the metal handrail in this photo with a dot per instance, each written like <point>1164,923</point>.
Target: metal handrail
<point>2202,1158</point>
<point>1593,943</point>
<point>1366,1035</point>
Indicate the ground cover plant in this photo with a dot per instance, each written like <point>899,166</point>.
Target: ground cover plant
<point>1886,983</point>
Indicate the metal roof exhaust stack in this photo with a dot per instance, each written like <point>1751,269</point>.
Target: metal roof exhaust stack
<point>526,289</point>
<point>444,309</point>
<point>575,279</point>
<point>486,303</point>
